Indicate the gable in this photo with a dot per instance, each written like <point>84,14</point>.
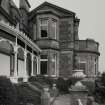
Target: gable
<point>48,8</point>
<point>61,12</point>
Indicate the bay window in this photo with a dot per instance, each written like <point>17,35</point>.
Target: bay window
<point>82,66</point>
<point>43,28</point>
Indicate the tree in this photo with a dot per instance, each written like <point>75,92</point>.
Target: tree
<point>7,92</point>
<point>103,79</point>
<point>100,89</point>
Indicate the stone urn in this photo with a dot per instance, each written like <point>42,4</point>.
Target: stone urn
<point>78,92</point>
<point>78,75</point>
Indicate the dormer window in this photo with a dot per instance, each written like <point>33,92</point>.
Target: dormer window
<point>44,28</point>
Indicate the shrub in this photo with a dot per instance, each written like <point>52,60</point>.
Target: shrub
<point>32,79</point>
<point>7,92</point>
<point>20,79</point>
<point>99,92</point>
<point>69,82</point>
<point>49,81</point>
<point>62,85</point>
<point>90,86</point>
<point>41,79</point>
<point>103,79</point>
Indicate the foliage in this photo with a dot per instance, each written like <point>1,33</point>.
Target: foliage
<point>41,79</point>
<point>103,79</point>
<point>63,85</point>
<point>7,92</point>
<point>27,95</point>
<point>32,79</point>
<point>100,89</point>
<point>20,80</point>
<point>90,84</point>
<point>69,82</point>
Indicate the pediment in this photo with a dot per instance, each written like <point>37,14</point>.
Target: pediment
<point>61,12</point>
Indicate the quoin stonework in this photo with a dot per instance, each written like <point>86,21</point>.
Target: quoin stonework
<point>43,41</point>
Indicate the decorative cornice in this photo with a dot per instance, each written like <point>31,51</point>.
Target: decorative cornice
<point>33,12</point>
<point>44,48</point>
<point>28,3</point>
<point>41,39</point>
<point>81,51</point>
<point>19,34</point>
<point>87,51</point>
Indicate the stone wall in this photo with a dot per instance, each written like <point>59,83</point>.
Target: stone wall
<point>91,63</point>
<point>66,29</point>
<point>66,63</point>
<point>51,65</point>
<point>3,18</point>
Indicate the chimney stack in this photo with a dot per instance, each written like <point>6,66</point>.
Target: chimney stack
<point>24,4</point>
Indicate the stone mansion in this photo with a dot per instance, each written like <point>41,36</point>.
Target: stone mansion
<point>43,41</point>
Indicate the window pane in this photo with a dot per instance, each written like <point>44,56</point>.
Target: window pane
<point>43,67</point>
<point>44,27</point>
<point>43,56</point>
<point>43,33</point>
<point>82,66</point>
<point>44,21</point>
<point>43,64</point>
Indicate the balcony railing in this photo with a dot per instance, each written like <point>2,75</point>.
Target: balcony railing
<point>89,45</point>
<point>80,45</point>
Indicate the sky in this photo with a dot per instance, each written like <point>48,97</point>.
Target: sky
<point>92,20</point>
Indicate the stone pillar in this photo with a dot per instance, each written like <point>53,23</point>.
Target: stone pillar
<point>32,63</point>
<point>78,95</point>
<point>25,66</point>
<point>15,66</point>
<point>45,98</point>
<point>38,64</point>
<point>14,79</point>
<point>25,62</point>
<point>57,64</point>
<point>54,91</point>
<point>78,92</point>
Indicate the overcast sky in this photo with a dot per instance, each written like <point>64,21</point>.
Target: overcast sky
<point>92,20</point>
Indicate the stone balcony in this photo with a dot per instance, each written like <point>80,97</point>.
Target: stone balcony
<point>48,43</point>
<point>88,45</point>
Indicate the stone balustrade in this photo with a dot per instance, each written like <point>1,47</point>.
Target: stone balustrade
<point>19,34</point>
<point>80,45</point>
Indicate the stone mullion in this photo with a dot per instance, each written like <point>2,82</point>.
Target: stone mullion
<point>57,65</point>
<point>15,52</point>
<point>38,64</point>
<point>25,62</point>
<point>32,63</point>
<point>15,68</point>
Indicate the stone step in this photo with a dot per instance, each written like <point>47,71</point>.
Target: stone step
<point>62,100</point>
